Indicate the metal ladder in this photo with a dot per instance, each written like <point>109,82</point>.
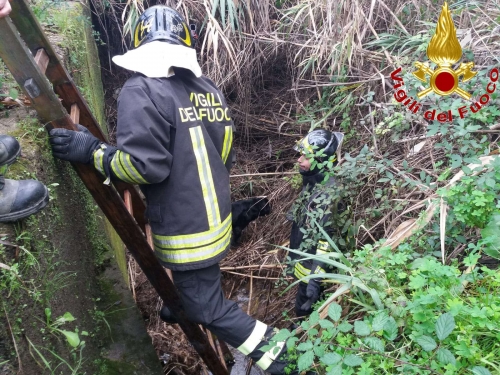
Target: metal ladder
<point>29,56</point>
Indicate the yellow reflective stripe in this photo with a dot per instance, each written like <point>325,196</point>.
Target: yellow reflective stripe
<point>99,160</point>
<point>302,269</point>
<point>300,272</point>
<point>320,252</point>
<point>122,166</point>
<point>268,358</point>
<point>118,169</point>
<point>319,270</point>
<point>194,255</point>
<point>300,276</point>
<point>323,245</point>
<point>125,160</point>
<point>205,173</point>
<point>254,339</point>
<point>228,141</point>
<point>193,240</point>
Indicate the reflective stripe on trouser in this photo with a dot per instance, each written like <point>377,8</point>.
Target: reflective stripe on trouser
<point>300,271</point>
<point>322,248</point>
<point>203,300</point>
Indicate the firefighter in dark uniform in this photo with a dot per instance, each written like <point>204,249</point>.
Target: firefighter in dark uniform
<point>174,139</point>
<point>314,189</point>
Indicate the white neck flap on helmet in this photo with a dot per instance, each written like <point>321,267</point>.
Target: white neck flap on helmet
<point>156,59</point>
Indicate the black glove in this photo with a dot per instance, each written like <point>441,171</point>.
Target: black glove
<point>76,147</point>
<point>313,290</point>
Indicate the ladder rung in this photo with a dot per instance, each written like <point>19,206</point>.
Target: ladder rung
<point>42,60</point>
<point>75,113</point>
<point>149,235</point>
<point>35,39</point>
<point>128,201</point>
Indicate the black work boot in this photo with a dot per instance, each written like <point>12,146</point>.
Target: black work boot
<point>9,150</point>
<point>20,199</point>
<point>167,316</point>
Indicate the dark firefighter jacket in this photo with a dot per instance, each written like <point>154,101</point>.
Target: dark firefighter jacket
<point>312,189</point>
<point>174,139</point>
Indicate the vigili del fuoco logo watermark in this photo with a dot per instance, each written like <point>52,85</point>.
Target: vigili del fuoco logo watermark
<point>444,50</point>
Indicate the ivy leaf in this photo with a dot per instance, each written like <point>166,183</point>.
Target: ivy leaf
<point>433,129</point>
<point>379,321</point>
<point>314,318</point>
<point>282,335</point>
<point>331,358</point>
<point>334,312</point>
<point>427,343</point>
<point>456,161</point>
<point>305,360</point>
<point>326,324</point>
<point>303,346</point>
<point>290,343</point>
<point>319,351</point>
<point>361,328</point>
<point>480,370</point>
<point>390,329</point>
<point>445,356</point>
<point>353,360</point>
<point>375,344</point>
<point>444,326</point>
<point>491,237</point>
<point>337,370</point>
<point>345,327</point>
<point>305,325</point>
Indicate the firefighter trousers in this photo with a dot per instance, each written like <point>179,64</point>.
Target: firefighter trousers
<point>204,302</point>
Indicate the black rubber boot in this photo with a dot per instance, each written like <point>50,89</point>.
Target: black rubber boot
<point>167,316</point>
<point>20,199</point>
<point>9,150</point>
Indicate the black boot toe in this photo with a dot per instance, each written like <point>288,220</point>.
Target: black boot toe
<point>20,199</point>
<point>9,149</point>
<point>31,195</point>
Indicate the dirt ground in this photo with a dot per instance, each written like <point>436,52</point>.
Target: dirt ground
<point>60,244</point>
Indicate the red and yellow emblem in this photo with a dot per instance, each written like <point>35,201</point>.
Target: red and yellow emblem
<point>444,50</point>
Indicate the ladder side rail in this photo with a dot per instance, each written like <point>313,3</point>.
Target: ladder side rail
<point>26,23</point>
<point>28,26</point>
<point>22,65</point>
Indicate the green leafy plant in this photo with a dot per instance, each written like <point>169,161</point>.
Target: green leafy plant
<point>428,324</point>
<point>72,338</point>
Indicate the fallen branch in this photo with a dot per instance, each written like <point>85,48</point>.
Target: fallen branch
<point>260,277</point>
<point>255,266</point>
<point>263,174</point>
